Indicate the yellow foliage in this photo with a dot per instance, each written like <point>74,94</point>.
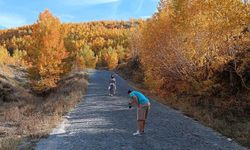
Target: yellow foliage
<point>19,56</point>
<point>97,35</point>
<point>87,57</point>
<point>4,55</point>
<point>190,40</point>
<point>109,58</point>
<point>46,52</point>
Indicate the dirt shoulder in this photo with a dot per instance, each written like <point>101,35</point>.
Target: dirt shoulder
<point>197,107</point>
<point>26,117</point>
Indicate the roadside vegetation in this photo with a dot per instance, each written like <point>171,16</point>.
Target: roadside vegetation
<point>25,116</point>
<point>41,76</point>
<point>35,92</point>
<point>195,56</point>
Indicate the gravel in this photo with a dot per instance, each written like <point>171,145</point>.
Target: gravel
<point>103,122</point>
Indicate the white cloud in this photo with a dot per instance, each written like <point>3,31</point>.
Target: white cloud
<point>66,17</point>
<point>145,17</point>
<point>12,20</point>
<point>88,2</point>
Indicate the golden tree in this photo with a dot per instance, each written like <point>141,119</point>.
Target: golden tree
<point>190,40</point>
<point>46,52</point>
<point>87,56</point>
<point>108,57</point>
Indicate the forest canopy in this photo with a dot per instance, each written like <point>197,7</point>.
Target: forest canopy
<point>52,49</point>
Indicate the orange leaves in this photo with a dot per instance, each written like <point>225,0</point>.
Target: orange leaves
<point>86,57</point>
<point>98,37</point>
<point>186,39</point>
<point>108,57</point>
<point>98,43</point>
<point>46,52</point>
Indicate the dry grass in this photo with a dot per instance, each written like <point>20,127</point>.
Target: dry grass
<point>26,116</point>
<point>9,143</point>
<point>232,126</point>
<point>221,114</point>
<point>223,120</point>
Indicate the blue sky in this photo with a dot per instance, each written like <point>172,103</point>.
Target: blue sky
<point>14,13</point>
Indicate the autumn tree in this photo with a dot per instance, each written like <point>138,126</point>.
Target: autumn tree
<point>87,57</point>
<point>97,35</point>
<point>108,57</point>
<point>46,52</point>
<point>188,41</point>
<point>19,56</point>
<point>121,53</point>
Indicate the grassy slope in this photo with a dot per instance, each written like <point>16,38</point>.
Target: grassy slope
<point>27,117</point>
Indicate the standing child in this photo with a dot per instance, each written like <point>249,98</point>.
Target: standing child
<point>112,85</point>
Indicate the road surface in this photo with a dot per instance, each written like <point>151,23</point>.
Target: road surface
<point>103,122</point>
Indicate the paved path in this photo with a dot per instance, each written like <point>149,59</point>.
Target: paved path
<point>103,122</point>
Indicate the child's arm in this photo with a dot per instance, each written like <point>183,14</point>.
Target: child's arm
<point>134,101</point>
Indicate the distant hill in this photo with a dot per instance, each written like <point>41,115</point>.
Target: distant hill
<point>97,35</point>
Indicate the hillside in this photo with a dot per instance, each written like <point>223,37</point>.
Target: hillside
<point>28,112</point>
<point>192,55</point>
<point>25,116</point>
<point>98,35</point>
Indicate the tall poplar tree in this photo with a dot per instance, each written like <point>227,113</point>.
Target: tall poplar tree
<point>46,52</point>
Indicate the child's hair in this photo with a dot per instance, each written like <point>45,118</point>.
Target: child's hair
<point>129,91</point>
